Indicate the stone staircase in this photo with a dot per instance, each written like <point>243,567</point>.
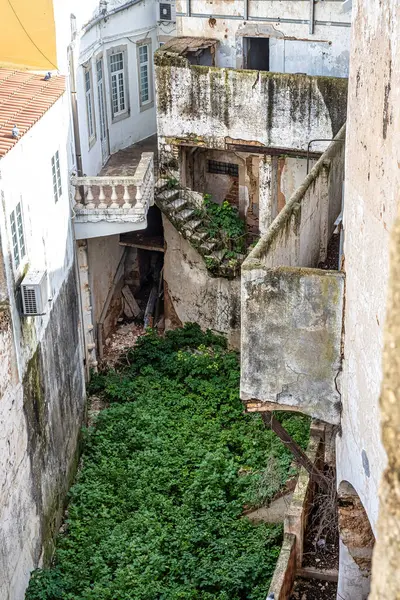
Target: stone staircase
<point>183,208</point>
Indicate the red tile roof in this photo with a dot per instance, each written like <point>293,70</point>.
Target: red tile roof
<point>24,99</point>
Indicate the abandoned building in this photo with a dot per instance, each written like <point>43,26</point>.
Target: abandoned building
<point>231,163</point>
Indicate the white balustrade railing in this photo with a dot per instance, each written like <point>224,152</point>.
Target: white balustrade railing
<point>127,195</point>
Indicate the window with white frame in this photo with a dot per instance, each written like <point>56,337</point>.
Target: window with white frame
<point>17,235</point>
<point>56,172</point>
<point>144,73</point>
<point>100,92</point>
<point>89,105</point>
<point>118,93</point>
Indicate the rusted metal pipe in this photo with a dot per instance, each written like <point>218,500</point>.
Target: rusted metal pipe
<point>319,140</point>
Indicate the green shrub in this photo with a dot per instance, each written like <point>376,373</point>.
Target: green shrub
<point>156,510</point>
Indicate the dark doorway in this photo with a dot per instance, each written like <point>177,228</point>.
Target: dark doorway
<point>256,53</point>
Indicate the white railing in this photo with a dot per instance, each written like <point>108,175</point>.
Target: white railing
<point>112,196</point>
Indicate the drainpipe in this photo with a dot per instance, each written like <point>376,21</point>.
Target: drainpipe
<point>312,15</point>
<point>74,108</point>
<point>189,8</point>
<point>246,10</point>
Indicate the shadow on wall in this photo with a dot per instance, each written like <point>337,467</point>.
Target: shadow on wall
<point>357,543</point>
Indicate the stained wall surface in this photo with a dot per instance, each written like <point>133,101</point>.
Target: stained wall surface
<point>370,208</point>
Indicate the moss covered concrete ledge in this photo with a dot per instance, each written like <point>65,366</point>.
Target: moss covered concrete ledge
<point>276,110</point>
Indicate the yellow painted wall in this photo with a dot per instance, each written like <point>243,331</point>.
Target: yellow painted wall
<point>27,35</point>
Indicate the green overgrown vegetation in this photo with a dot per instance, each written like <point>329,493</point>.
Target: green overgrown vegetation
<point>156,512</point>
<point>223,221</point>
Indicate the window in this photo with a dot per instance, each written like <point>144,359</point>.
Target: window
<point>144,73</point>
<point>17,235</point>
<point>55,169</point>
<point>100,90</point>
<point>89,105</point>
<point>223,168</point>
<point>117,83</point>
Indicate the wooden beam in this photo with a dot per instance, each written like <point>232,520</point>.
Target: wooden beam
<point>301,457</point>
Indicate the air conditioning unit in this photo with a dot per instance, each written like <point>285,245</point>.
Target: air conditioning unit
<point>167,11</point>
<point>34,293</point>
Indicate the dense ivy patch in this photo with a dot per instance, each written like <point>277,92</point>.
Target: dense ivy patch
<point>156,511</point>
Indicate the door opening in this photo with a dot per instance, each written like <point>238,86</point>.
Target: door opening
<point>256,53</point>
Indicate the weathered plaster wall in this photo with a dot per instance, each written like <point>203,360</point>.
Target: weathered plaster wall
<point>371,205</point>
<point>292,48</point>
<point>300,234</point>
<point>291,338</point>
<point>206,106</point>
<point>40,418</point>
<point>41,375</point>
<point>192,295</point>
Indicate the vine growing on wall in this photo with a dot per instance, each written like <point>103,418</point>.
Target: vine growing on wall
<point>157,508</point>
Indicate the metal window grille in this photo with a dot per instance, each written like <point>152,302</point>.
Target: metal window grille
<point>144,73</point>
<point>30,303</point>
<point>117,83</point>
<point>223,168</point>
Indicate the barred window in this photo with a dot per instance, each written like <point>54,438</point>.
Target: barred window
<point>223,168</point>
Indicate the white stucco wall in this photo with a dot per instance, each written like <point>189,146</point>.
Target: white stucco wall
<point>37,351</point>
<point>370,205</point>
<point>292,48</point>
<point>124,30</point>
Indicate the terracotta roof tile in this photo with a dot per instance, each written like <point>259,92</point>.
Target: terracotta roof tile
<point>24,98</point>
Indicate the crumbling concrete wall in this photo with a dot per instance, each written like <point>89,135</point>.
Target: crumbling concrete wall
<point>207,106</point>
<point>300,234</point>
<point>192,295</point>
<point>291,340</point>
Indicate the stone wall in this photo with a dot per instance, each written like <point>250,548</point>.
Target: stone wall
<point>291,340</point>
<point>193,295</point>
<point>40,420</point>
<point>210,107</point>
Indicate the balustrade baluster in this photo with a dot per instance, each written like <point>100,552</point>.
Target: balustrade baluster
<point>89,198</point>
<point>114,197</point>
<point>102,205</point>
<point>78,198</point>
<point>127,198</point>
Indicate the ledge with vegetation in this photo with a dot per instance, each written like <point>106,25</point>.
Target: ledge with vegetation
<point>167,469</point>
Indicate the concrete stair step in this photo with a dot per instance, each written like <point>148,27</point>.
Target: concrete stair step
<point>218,255</point>
<point>193,224</point>
<point>184,215</point>
<point>208,246</point>
<point>199,236</point>
<point>178,204</point>
<point>168,196</point>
